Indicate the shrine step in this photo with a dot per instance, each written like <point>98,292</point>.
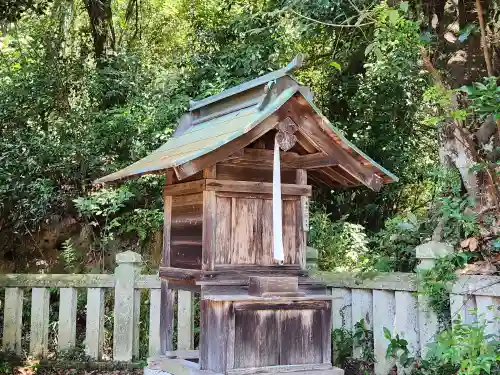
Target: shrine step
<point>169,365</point>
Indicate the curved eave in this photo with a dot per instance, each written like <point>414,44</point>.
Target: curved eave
<point>339,138</point>
<point>168,156</point>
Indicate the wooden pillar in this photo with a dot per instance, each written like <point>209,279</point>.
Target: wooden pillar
<point>302,218</point>
<point>209,223</point>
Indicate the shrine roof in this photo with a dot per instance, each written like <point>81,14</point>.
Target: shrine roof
<point>238,116</point>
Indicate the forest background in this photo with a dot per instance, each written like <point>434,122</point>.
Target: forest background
<point>90,86</point>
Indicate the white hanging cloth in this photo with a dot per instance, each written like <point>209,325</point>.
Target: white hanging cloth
<point>278,253</point>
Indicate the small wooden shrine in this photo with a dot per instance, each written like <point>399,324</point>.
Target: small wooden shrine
<point>238,169</point>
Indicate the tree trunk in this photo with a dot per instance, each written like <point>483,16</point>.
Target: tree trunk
<point>101,25</point>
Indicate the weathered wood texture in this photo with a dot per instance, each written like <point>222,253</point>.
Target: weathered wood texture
<point>260,286</point>
<point>255,173</point>
<point>186,232</point>
<point>244,232</point>
<point>255,333</point>
<point>209,230</point>
<point>214,327</point>
<point>393,304</point>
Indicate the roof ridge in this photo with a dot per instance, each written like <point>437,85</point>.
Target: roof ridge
<point>295,64</point>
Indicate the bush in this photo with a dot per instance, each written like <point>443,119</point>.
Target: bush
<point>341,245</point>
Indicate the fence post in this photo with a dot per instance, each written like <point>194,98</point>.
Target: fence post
<point>311,258</point>
<point>428,322</point>
<point>125,305</point>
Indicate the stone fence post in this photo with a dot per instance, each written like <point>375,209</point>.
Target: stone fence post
<point>127,303</point>
<point>311,258</point>
<point>427,253</point>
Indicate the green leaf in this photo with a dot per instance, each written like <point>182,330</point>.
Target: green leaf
<point>336,65</point>
<point>387,334</point>
<point>378,53</point>
<point>465,89</point>
<point>393,16</point>
<point>404,6</point>
<point>369,48</point>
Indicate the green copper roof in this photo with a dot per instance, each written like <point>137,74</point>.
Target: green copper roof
<point>202,139</point>
<point>217,120</point>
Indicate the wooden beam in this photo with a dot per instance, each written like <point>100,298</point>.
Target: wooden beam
<point>310,161</point>
<point>306,145</point>
<point>196,165</point>
<point>260,155</point>
<point>179,273</point>
<point>263,157</point>
<point>231,194</point>
<point>256,187</point>
<point>184,188</point>
<point>312,127</point>
<point>331,174</point>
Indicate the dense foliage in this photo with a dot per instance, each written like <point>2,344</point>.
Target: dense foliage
<point>90,86</point>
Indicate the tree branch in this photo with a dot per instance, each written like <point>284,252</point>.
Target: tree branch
<point>486,52</point>
<point>330,24</point>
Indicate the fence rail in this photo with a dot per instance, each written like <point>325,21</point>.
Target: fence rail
<point>386,300</point>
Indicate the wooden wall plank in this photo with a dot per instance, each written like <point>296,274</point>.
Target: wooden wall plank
<point>166,318</point>
<point>267,233</point>
<point>362,308</point>
<point>39,336</point>
<point>214,328</point>
<point>256,187</point>
<point>185,188</point>
<point>167,225</point>
<point>154,322</point>
<point>246,230</point>
<point>256,338</point>
<point>301,339</point>
<point>67,318</point>
<point>13,320</point>
<point>94,332</point>
<point>384,310</point>
<point>186,235</point>
<point>290,232</point>
<point>185,321</point>
<point>223,231</point>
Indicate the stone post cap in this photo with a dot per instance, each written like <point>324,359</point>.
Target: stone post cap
<point>433,250</point>
<point>312,253</point>
<point>128,257</point>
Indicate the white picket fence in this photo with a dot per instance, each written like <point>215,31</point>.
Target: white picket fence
<point>126,284</point>
<point>387,300</point>
<point>391,301</point>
